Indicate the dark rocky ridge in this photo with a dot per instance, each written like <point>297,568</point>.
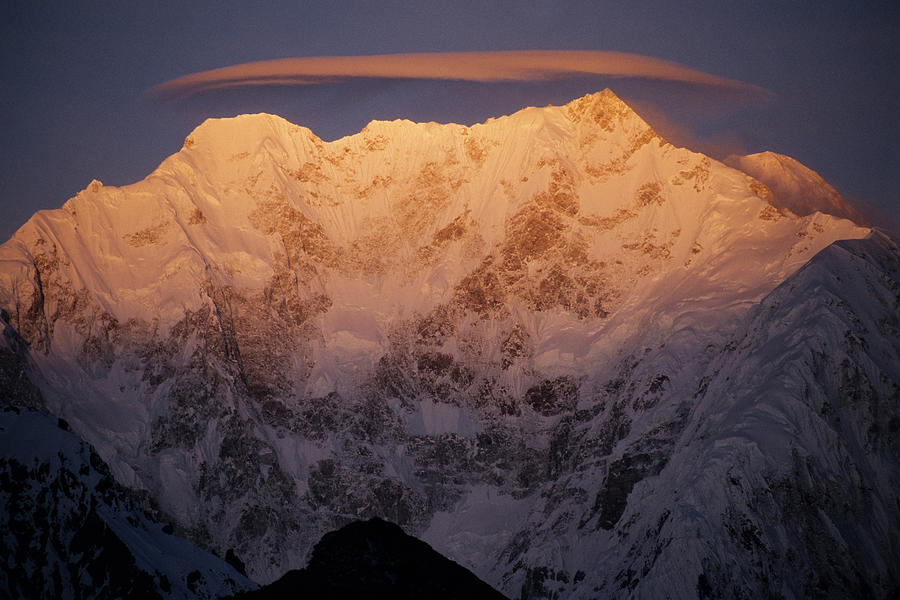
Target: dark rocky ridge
<point>376,560</point>
<point>68,530</point>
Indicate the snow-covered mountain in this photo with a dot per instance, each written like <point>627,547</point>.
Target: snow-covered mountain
<point>796,187</point>
<point>70,531</point>
<point>549,345</point>
<point>775,474</point>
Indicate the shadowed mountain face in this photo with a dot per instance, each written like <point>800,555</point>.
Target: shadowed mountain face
<point>70,531</point>
<point>375,560</point>
<point>571,357</point>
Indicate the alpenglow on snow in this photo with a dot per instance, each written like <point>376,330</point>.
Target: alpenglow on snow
<point>577,360</point>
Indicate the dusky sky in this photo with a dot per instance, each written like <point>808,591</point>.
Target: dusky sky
<point>76,78</point>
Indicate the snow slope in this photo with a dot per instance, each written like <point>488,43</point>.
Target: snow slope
<point>776,477</point>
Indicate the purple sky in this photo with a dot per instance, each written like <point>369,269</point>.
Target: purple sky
<point>74,79</point>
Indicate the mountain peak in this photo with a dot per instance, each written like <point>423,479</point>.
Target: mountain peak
<point>590,178</point>
<point>228,132</point>
<point>605,95</point>
<point>796,187</point>
<point>605,109</point>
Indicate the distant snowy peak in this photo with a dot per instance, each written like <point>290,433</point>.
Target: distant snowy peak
<point>795,186</point>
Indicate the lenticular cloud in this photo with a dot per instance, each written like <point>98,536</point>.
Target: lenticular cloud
<point>520,65</point>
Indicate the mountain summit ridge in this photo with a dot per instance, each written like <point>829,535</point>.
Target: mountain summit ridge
<point>499,336</point>
<point>359,183</point>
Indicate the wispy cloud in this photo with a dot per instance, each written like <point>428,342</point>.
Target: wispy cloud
<point>519,65</point>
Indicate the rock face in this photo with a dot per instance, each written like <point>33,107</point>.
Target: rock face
<point>550,345</point>
<point>373,560</point>
<point>70,531</point>
<point>15,381</point>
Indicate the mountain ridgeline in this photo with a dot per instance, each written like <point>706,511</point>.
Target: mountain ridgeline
<point>573,358</point>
